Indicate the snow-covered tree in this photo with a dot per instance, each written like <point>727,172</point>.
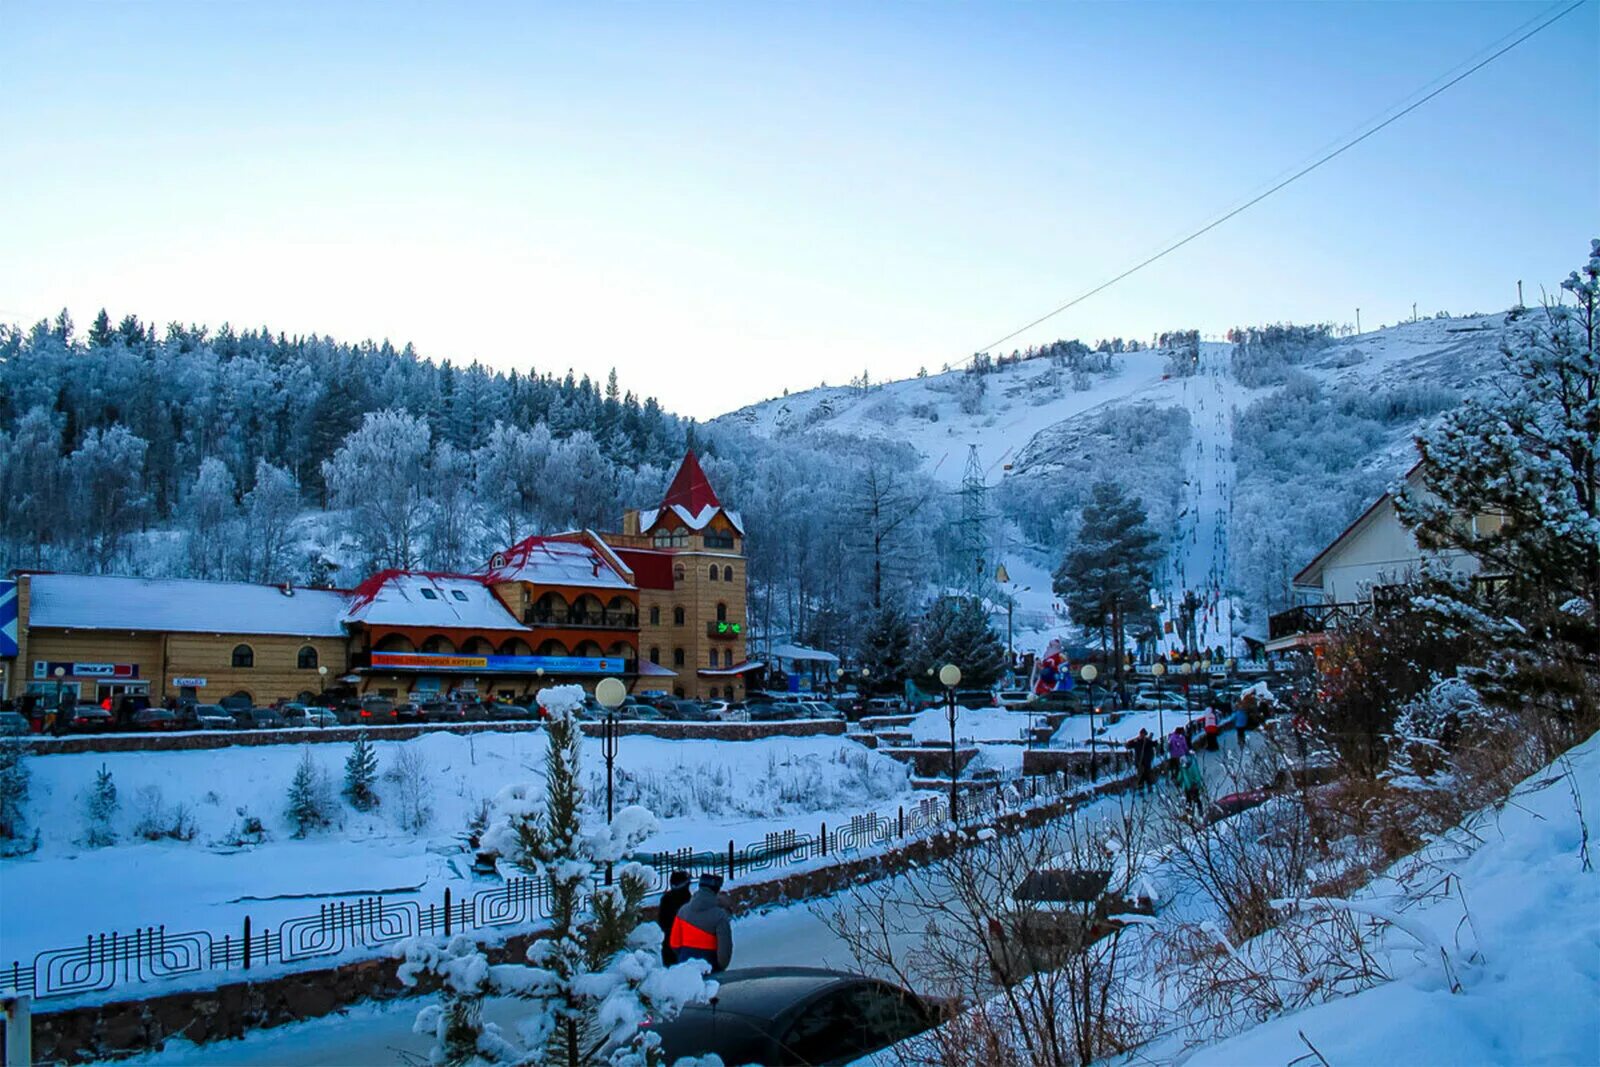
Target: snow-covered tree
<point>450,531</point>
<point>211,521</point>
<point>13,788</point>
<point>379,478</point>
<point>956,630</point>
<point>510,478</point>
<point>99,810</point>
<point>1513,476</point>
<point>271,505</point>
<point>361,774</point>
<point>886,649</point>
<point>106,486</point>
<point>307,803</point>
<point>596,978</point>
<point>35,513</point>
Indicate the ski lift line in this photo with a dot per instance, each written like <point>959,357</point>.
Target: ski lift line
<point>1291,179</point>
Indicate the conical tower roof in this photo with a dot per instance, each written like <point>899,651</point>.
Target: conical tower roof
<point>689,489</point>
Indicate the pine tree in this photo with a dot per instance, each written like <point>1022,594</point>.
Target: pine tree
<point>307,806</point>
<point>100,810</point>
<point>592,980</point>
<point>886,650</point>
<point>956,630</point>
<point>1105,576</point>
<point>360,774</point>
<point>100,330</point>
<point>13,788</point>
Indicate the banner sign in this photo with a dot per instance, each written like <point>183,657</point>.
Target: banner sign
<point>189,683</point>
<point>8,619</point>
<point>439,661</point>
<point>44,671</point>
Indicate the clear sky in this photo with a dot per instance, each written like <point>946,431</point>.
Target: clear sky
<point>722,201</point>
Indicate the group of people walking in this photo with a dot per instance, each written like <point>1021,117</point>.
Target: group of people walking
<point>1182,759</point>
<point>695,925</point>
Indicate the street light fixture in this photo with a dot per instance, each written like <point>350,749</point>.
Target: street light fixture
<point>950,676</point>
<point>322,693</point>
<point>1089,673</point>
<point>60,673</point>
<point>610,692</point>
<point>1184,669</point>
<point>1159,669</point>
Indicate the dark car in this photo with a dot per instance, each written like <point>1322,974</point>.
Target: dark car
<point>13,725</point>
<point>689,711</point>
<point>257,719</point>
<point>443,711</point>
<point>795,1015</point>
<point>85,718</point>
<point>639,711</point>
<point>760,711</point>
<point>975,698</point>
<point>408,711</point>
<point>155,719</point>
<point>204,717</point>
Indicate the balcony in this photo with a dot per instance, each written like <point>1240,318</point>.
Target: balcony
<point>582,620</point>
<point>1315,619</point>
<point>725,631</point>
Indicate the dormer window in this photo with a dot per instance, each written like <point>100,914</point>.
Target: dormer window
<point>429,594</point>
<point>459,595</point>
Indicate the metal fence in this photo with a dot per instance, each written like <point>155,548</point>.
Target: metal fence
<point>155,953</point>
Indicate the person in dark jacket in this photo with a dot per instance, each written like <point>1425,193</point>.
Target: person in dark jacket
<point>676,896</point>
<point>701,929</point>
<point>1144,755</point>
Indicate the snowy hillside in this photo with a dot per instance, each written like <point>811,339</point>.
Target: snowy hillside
<point>1175,441</point>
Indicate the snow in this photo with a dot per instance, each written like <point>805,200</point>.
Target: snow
<point>1522,934</point>
<point>181,605</point>
<point>972,724</point>
<point>1074,732</point>
<point>705,793</point>
<point>408,598</point>
<point>559,561</point>
<point>694,520</point>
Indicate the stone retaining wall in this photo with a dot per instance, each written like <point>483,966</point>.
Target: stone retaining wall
<point>209,739</point>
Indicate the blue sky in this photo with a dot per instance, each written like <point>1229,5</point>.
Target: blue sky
<point>723,201</point>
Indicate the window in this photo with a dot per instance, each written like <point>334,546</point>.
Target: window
<point>459,595</point>
<point>727,574</point>
<point>677,616</point>
<point>244,656</point>
<point>713,572</point>
<point>677,657</point>
<point>722,612</point>
<point>677,572</point>
<point>655,616</point>
<point>655,656</point>
<point>718,539</point>
<point>713,657</point>
<point>428,594</point>
<point>307,659</point>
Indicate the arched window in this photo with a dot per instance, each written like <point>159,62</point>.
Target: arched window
<point>677,616</point>
<point>727,574</point>
<point>677,657</point>
<point>713,655</point>
<point>722,612</point>
<point>677,572</point>
<point>655,616</point>
<point>655,656</point>
<point>713,572</point>
<point>307,659</point>
<point>244,656</point>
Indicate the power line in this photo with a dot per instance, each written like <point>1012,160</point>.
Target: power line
<point>1291,179</point>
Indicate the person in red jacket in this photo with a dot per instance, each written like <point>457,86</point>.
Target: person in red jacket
<point>702,929</point>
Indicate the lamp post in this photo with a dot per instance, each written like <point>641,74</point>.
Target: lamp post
<point>610,692</point>
<point>322,693</point>
<point>1184,669</point>
<point>60,725</point>
<point>838,680</point>
<point>1089,673</point>
<point>1159,669</point>
<point>950,675</point>
<point>1001,577</point>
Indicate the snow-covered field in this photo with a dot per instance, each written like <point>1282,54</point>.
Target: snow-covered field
<point>705,792</point>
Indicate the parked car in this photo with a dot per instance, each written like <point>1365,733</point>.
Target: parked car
<point>639,711</point>
<point>444,711</point>
<point>886,706</point>
<point>820,709</point>
<point>975,698</point>
<point>204,717</point>
<point>13,724</point>
<point>258,719</point>
<point>154,718</point>
<point>689,711</point>
<point>408,711</point>
<point>89,718</point>
<point>1152,701</point>
<point>321,717</point>
<point>513,712</point>
<point>794,1015</point>
<point>761,711</point>
<point>718,709</point>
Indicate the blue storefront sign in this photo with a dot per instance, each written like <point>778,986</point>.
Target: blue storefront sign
<point>443,662</point>
<point>8,619</point>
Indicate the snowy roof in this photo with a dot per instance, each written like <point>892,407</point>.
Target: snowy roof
<point>694,520</point>
<point>802,654</point>
<point>183,605</point>
<point>690,487</point>
<point>579,559</point>
<point>413,598</point>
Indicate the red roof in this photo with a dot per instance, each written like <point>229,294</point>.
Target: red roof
<point>689,488</point>
<point>651,569</point>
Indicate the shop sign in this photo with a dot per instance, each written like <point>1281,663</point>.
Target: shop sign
<point>45,670</point>
<point>438,661</point>
<point>189,683</point>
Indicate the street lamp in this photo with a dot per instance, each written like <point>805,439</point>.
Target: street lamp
<point>322,693</point>
<point>610,693</point>
<point>950,675</point>
<point>1002,577</point>
<point>60,673</point>
<point>1089,674</point>
<point>1159,669</point>
<point>1185,668</point>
